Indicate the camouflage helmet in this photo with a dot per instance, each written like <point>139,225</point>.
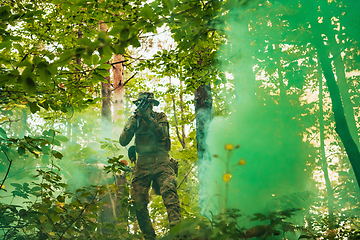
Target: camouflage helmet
<point>149,96</point>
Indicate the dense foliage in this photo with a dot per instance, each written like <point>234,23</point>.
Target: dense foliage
<point>60,179</point>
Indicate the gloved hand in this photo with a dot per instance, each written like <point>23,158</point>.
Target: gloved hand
<point>145,114</point>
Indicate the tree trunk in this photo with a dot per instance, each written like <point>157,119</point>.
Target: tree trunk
<point>78,60</point>
<point>182,115</point>
<point>342,128</point>
<point>106,124</point>
<point>107,215</point>
<point>341,125</point>
<point>203,116</point>
<point>118,107</point>
<point>345,95</point>
<point>322,152</point>
<point>119,91</point>
<point>335,49</point>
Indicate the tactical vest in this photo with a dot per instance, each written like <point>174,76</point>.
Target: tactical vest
<point>153,141</point>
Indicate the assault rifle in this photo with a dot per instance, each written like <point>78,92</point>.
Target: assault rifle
<point>143,103</point>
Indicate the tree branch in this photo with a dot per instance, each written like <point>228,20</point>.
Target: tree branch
<point>81,213</point>
<point>187,174</point>
<point>8,170</point>
<point>182,114</point>
<point>71,73</point>
<point>9,121</point>
<point>112,64</point>
<point>128,79</point>
<point>176,123</point>
<point>136,59</point>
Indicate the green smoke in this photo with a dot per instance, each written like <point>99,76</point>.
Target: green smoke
<point>260,144</point>
<point>272,154</point>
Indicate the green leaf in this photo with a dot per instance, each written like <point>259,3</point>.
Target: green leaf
<point>45,149</point>
<point>102,36</point>
<point>124,34</point>
<point>45,159</point>
<point>31,14</point>
<point>65,58</point>
<point>45,105</point>
<point>21,151</point>
<point>103,72</point>
<point>50,133</point>
<point>61,138</point>
<point>97,77</point>
<point>4,148</point>
<point>105,53</point>
<point>12,76</point>
<point>53,141</point>
<point>104,66</point>
<point>79,51</point>
<point>5,12</point>
<point>104,59</point>
<point>20,194</point>
<point>44,72</point>
<point>118,27</point>
<point>54,106</point>
<point>33,107</point>
<point>95,59</point>
<point>57,154</point>
<point>135,42</point>
<point>43,218</point>
<point>84,41</point>
<point>120,48</point>
<point>55,217</point>
<point>305,236</point>
<point>16,185</point>
<point>3,133</point>
<point>42,208</point>
<point>259,216</point>
<point>36,188</point>
<point>147,12</point>
<point>5,44</point>
<point>29,85</point>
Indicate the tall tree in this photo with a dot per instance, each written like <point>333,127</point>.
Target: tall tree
<point>203,116</point>
<point>119,113</point>
<point>118,88</point>
<point>329,189</point>
<point>342,128</point>
<point>106,116</point>
<point>334,27</point>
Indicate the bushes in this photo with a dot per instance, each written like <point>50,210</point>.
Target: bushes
<point>49,211</point>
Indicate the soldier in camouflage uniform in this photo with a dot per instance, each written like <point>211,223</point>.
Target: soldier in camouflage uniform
<point>152,145</point>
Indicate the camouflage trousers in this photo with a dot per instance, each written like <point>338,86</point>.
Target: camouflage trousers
<point>154,169</point>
